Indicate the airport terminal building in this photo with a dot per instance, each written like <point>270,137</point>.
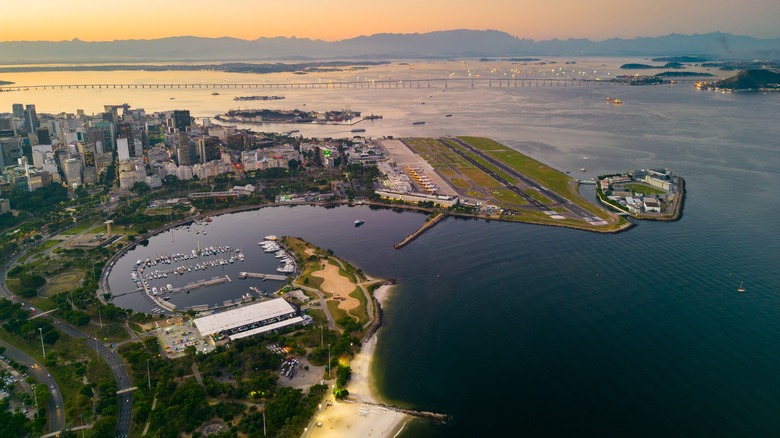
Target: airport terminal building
<point>249,320</point>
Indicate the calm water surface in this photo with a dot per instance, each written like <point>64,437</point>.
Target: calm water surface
<point>528,330</point>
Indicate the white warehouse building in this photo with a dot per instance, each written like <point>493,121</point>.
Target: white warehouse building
<point>250,320</point>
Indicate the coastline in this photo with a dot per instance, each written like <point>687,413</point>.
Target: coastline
<point>355,417</point>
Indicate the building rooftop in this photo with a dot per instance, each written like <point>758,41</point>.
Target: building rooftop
<point>244,315</point>
<point>266,328</point>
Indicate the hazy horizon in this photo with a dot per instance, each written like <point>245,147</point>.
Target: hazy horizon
<point>90,20</point>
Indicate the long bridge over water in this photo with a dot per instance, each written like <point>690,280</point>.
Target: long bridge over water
<point>372,84</point>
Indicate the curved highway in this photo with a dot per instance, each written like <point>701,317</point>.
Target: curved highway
<point>114,362</point>
<point>42,376</point>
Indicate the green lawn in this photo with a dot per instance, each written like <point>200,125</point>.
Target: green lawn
<point>644,189</point>
<point>460,183</point>
<point>538,196</point>
<point>76,230</point>
<point>481,178</point>
<point>508,197</point>
<point>359,313</point>
<point>39,249</point>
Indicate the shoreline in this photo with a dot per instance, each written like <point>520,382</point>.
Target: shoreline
<point>352,418</point>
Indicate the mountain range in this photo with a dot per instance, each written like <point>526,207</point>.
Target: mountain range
<point>442,44</point>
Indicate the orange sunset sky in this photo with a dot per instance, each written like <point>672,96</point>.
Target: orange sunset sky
<point>91,20</point>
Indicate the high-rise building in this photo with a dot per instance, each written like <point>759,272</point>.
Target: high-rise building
<point>72,170</point>
<point>41,153</point>
<point>31,122</point>
<point>43,136</point>
<point>183,151</point>
<point>7,127</point>
<point>18,110</point>
<point>123,149</point>
<point>37,179</point>
<point>10,151</point>
<point>181,120</point>
<point>208,149</point>
<point>101,132</point>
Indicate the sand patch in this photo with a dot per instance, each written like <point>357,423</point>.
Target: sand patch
<point>310,252</point>
<point>338,285</point>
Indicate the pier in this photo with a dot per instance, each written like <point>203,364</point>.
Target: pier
<point>245,275</point>
<point>202,283</point>
<point>423,228</point>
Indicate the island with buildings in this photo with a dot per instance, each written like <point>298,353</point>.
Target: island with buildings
<point>655,194</point>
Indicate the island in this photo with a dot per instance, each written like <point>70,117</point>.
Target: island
<point>291,116</point>
<point>745,81</point>
<point>655,194</point>
<point>242,98</point>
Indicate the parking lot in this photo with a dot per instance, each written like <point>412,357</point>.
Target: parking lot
<point>175,338</point>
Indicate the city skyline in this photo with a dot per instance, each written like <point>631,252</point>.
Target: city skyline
<point>89,20</point>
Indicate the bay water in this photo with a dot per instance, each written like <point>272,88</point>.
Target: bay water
<point>524,330</point>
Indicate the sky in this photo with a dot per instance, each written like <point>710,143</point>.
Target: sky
<point>91,20</point>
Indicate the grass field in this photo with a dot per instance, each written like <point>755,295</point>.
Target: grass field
<point>460,183</point>
<point>360,312</point>
<point>538,196</point>
<point>65,282</point>
<point>552,178</point>
<point>39,249</point>
<point>644,189</point>
<point>508,196</point>
<point>481,178</point>
<point>78,229</point>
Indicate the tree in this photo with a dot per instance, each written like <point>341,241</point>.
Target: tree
<point>140,188</point>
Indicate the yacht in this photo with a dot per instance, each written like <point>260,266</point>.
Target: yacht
<point>359,222</point>
<point>741,288</point>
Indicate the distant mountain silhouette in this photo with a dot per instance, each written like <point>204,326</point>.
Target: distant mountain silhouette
<point>444,44</point>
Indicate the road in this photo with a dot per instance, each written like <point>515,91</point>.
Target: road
<point>114,362</point>
<point>117,367</point>
<point>43,377</point>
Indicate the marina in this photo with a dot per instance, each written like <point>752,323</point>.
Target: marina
<point>167,267</point>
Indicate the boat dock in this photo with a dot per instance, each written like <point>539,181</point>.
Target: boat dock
<point>202,283</point>
<point>245,275</point>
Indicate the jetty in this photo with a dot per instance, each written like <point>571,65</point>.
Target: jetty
<point>428,224</point>
<point>245,275</point>
<point>203,283</point>
<point>433,416</point>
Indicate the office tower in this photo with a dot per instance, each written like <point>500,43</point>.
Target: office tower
<point>41,153</point>
<point>18,110</point>
<point>72,170</point>
<point>183,150</point>
<point>30,119</point>
<point>43,136</point>
<point>123,149</point>
<point>10,151</point>
<point>208,149</point>
<point>181,120</point>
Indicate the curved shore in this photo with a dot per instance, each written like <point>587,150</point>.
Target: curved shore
<point>358,417</point>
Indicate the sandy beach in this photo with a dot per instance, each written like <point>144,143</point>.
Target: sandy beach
<point>352,417</point>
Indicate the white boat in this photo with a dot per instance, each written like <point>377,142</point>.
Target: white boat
<point>154,291</point>
<point>271,237</point>
<point>359,222</point>
<point>741,288</point>
<point>169,287</point>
